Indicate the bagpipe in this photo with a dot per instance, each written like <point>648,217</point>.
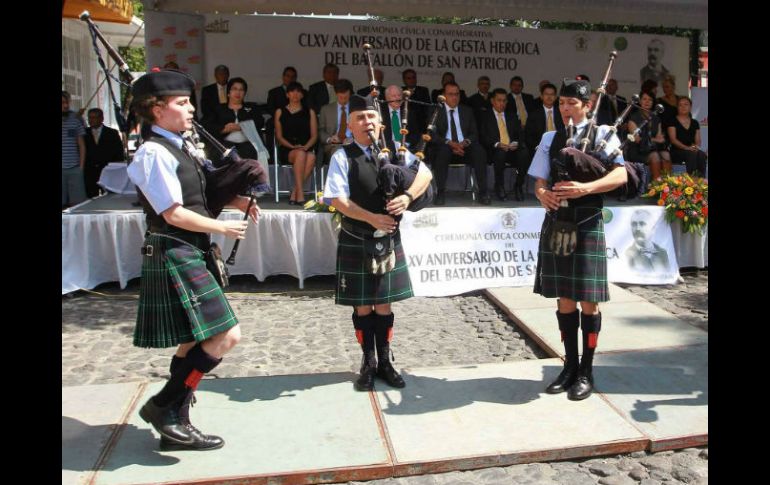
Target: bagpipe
<point>394,177</point>
<point>236,176</point>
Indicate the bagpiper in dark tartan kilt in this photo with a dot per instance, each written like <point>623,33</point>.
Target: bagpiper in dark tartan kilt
<point>371,268</point>
<point>180,301</point>
<point>572,260</point>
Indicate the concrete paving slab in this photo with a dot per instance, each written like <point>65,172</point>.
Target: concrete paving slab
<point>521,297</point>
<point>664,393</point>
<point>625,326</point>
<point>450,418</point>
<point>303,426</point>
<point>89,417</point>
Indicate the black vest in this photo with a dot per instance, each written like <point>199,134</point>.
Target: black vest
<point>362,180</point>
<point>191,178</point>
<point>558,158</point>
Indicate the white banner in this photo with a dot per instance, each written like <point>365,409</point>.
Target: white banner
<point>258,47</point>
<point>453,251</point>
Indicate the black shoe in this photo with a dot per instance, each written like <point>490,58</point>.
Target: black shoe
<point>365,381</point>
<point>485,199</point>
<point>166,422</point>
<point>440,199</point>
<point>501,195</point>
<point>519,193</point>
<point>200,441</point>
<point>565,380</point>
<point>582,388</point>
<point>387,373</point>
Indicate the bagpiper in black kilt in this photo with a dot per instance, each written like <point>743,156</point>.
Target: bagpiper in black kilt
<point>180,301</point>
<point>572,260</point>
<point>371,267</point>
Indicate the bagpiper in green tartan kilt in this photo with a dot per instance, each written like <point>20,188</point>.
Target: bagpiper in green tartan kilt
<point>357,286</point>
<point>582,276</point>
<point>179,299</point>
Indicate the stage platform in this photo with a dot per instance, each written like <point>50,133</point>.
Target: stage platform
<point>296,429</point>
<point>101,239</point>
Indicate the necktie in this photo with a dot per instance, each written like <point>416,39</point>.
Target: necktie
<point>504,139</point>
<point>222,94</point>
<point>453,125</point>
<point>396,126</point>
<point>369,152</point>
<point>343,124</point>
<point>521,110</point>
<point>549,122</point>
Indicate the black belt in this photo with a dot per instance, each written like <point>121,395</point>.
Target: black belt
<point>357,230</point>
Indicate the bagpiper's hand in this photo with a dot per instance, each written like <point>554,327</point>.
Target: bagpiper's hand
<point>570,189</point>
<point>383,222</point>
<point>234,229</point>
<point>397,205</point>
<point>547,199</point>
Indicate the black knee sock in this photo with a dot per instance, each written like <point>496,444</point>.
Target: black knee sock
<point>383,333</point>
<point>364,325</point>
<point>569,323</point>
<point>186,373</point>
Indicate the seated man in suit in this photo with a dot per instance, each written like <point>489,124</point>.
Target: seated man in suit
<point>379,76</point>
<point>216,93</point>
<point>519,102</point>
<point>103,145</point>
<point>457,141</point>
<point>543,119</point>
<point>393,114</point>
<point>611,106</point>
<point>333,127</point>
<point>419,93</point>
<point>322,92</point>
<point>481,102</point>
<point>644,255</point>
<point>503,137</point>
<point>445,78</point>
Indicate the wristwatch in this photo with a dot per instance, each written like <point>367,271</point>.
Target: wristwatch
<point>411,197</point>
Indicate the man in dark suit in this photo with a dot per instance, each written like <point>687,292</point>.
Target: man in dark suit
<point>457,141</point>
<point>216,93</point>
<point>322,92</point>
<point>365,91</point>
<point>519,102</point>
<point>503,137</point>
<point>419,93</point>
<point>543,119</point>
<point>103,145</point>
<point>611,104</point>
<point>481,101</point>
<point>644,255</point>
<point>445,78</point>
<point>393,114</point>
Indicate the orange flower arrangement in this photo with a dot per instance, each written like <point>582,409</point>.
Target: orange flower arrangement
<point>684,198</point>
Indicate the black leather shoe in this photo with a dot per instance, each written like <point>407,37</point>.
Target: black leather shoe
<point>440,199</point>
<point>200,441</point>
<point>365,381</point>
<point>582,388</point>
<point>485,200</point>
<point>501,195</point>
<point>565,380</point>
<point>387,373</point>
<point>519,193</point>
<point>166,422</point>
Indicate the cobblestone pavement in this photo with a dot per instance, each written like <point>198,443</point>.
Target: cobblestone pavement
<point>289,331</point>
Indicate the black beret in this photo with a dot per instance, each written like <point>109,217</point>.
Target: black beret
<point>575,88</point>
<point>164,83</point>
<point>360,103</point>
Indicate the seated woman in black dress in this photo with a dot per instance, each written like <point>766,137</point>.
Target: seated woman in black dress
<point>224,122</point>
<point>684,134</point>
<point>296,133</point>
<point>649,146</point>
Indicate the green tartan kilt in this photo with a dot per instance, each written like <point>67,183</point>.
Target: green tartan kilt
<point>357,286</point>
<point>581,276</point>
<point>179,299</point>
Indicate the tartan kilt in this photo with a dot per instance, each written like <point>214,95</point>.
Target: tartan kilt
<point>179,299</point>
<point>581,276</point>
<point>357,286</point>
